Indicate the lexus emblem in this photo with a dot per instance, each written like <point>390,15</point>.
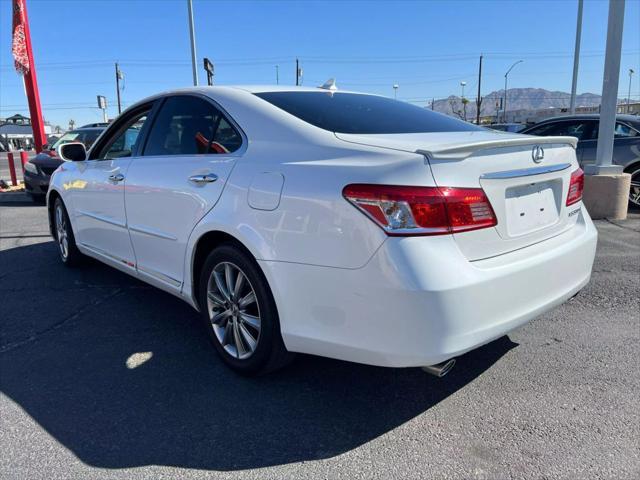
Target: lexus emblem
<point>537,154</point>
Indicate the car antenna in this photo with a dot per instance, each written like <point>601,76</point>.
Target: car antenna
<point>329,85</point>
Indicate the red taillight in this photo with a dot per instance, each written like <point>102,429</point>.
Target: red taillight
<point>576,186</point>
<point>422,210</point>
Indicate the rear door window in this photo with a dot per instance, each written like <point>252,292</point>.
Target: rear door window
<point>188,125</point>
<point>581,129</point>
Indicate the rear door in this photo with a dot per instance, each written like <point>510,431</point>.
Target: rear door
<point>188,156</point>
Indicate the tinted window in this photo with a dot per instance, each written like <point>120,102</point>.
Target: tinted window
<point>579,128</point>
<point>87,137</point>
<point>624,130</point>
<point>124,143</point>
<point>357,113</point>
<point>187,126</point>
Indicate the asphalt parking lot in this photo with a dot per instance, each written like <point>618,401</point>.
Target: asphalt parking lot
<point>102,376</point>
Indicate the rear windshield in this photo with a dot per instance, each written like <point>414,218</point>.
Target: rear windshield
<point>358,113</point>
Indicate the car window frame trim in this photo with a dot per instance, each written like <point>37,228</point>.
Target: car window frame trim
<point>161,101</point>
<point>118,127</point>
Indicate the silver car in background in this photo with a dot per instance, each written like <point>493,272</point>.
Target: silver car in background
<point>626,147</point>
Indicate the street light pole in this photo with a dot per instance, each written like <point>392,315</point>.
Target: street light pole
<point>504,104</point>
<point>631,72</point>
<point>277,75</point>
<point>576,60</point>
<point>192,35</point>
<point>609,102</point>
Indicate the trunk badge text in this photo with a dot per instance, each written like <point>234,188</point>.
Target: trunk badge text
<point>537,154</point>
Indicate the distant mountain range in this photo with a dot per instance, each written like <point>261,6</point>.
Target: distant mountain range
<point>518,99</point>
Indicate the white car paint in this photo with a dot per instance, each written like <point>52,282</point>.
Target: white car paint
<point>343,288</point>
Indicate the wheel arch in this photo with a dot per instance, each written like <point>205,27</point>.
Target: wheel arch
<point>52,195</point>
<point>201,249</point>
<point>632,166</point>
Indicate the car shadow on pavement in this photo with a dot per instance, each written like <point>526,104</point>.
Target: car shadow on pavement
<point>122,375</point>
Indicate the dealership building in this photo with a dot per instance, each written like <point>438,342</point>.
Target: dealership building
<point>16,133</point>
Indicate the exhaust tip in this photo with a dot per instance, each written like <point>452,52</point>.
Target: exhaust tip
<point>441,369</point>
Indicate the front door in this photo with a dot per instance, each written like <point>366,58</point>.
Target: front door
<point>188,155</point>
<point>98,192</point>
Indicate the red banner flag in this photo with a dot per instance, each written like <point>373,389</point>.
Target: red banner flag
<point>19,44</point>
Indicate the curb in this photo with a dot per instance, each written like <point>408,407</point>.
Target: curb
<point>15,197</point>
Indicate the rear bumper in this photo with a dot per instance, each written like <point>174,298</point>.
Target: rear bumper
<point>419,301</point>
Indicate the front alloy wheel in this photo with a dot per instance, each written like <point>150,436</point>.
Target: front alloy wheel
<point>61,231</point>
<point>233,310</point>
<point>69,253</point>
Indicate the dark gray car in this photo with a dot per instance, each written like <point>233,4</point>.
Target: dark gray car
<point>38,169</point>
<point>626,147</point>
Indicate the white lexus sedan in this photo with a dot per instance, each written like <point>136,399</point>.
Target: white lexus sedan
<point>332,223</point>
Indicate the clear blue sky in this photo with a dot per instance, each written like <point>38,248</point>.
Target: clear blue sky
<point>427,47</point>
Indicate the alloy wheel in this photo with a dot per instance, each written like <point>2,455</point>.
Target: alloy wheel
<point>61,232</point>
<point>233,310</point>
<point>634,192</point>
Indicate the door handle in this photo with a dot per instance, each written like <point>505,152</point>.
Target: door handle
<point>116,177</point>
<point>207,178</point>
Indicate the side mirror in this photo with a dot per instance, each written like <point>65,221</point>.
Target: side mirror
<point>74,152</point>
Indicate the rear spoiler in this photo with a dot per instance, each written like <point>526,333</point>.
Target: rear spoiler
<point>460,151</point>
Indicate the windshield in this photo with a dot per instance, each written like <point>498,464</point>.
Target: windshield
<point>86,137</point>
<point>363,114</point>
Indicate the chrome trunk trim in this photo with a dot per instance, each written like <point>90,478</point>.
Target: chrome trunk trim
<point>525,172</point>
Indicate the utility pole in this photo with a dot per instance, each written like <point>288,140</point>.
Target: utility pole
<point>119,77</point>
<point>433,101</point>
<point>631,72</point>
<point>297,72</point>
<point>576,60</point>
<point>277,74</point>
<point>479,98</point>
<point>192,35</point>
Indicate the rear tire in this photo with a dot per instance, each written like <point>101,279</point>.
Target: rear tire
<point>239,312</point>
<point>69,253</point>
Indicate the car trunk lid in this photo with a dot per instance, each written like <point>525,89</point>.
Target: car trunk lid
<point>528,196</point>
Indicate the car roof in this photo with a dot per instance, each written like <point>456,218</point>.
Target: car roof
<point>84,129</point>
<point>591,116</point>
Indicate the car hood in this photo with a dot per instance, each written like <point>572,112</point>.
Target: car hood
<point>45,160</point>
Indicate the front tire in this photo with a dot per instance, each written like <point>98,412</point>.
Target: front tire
<point>69,253</point>
<point>239,312</point>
